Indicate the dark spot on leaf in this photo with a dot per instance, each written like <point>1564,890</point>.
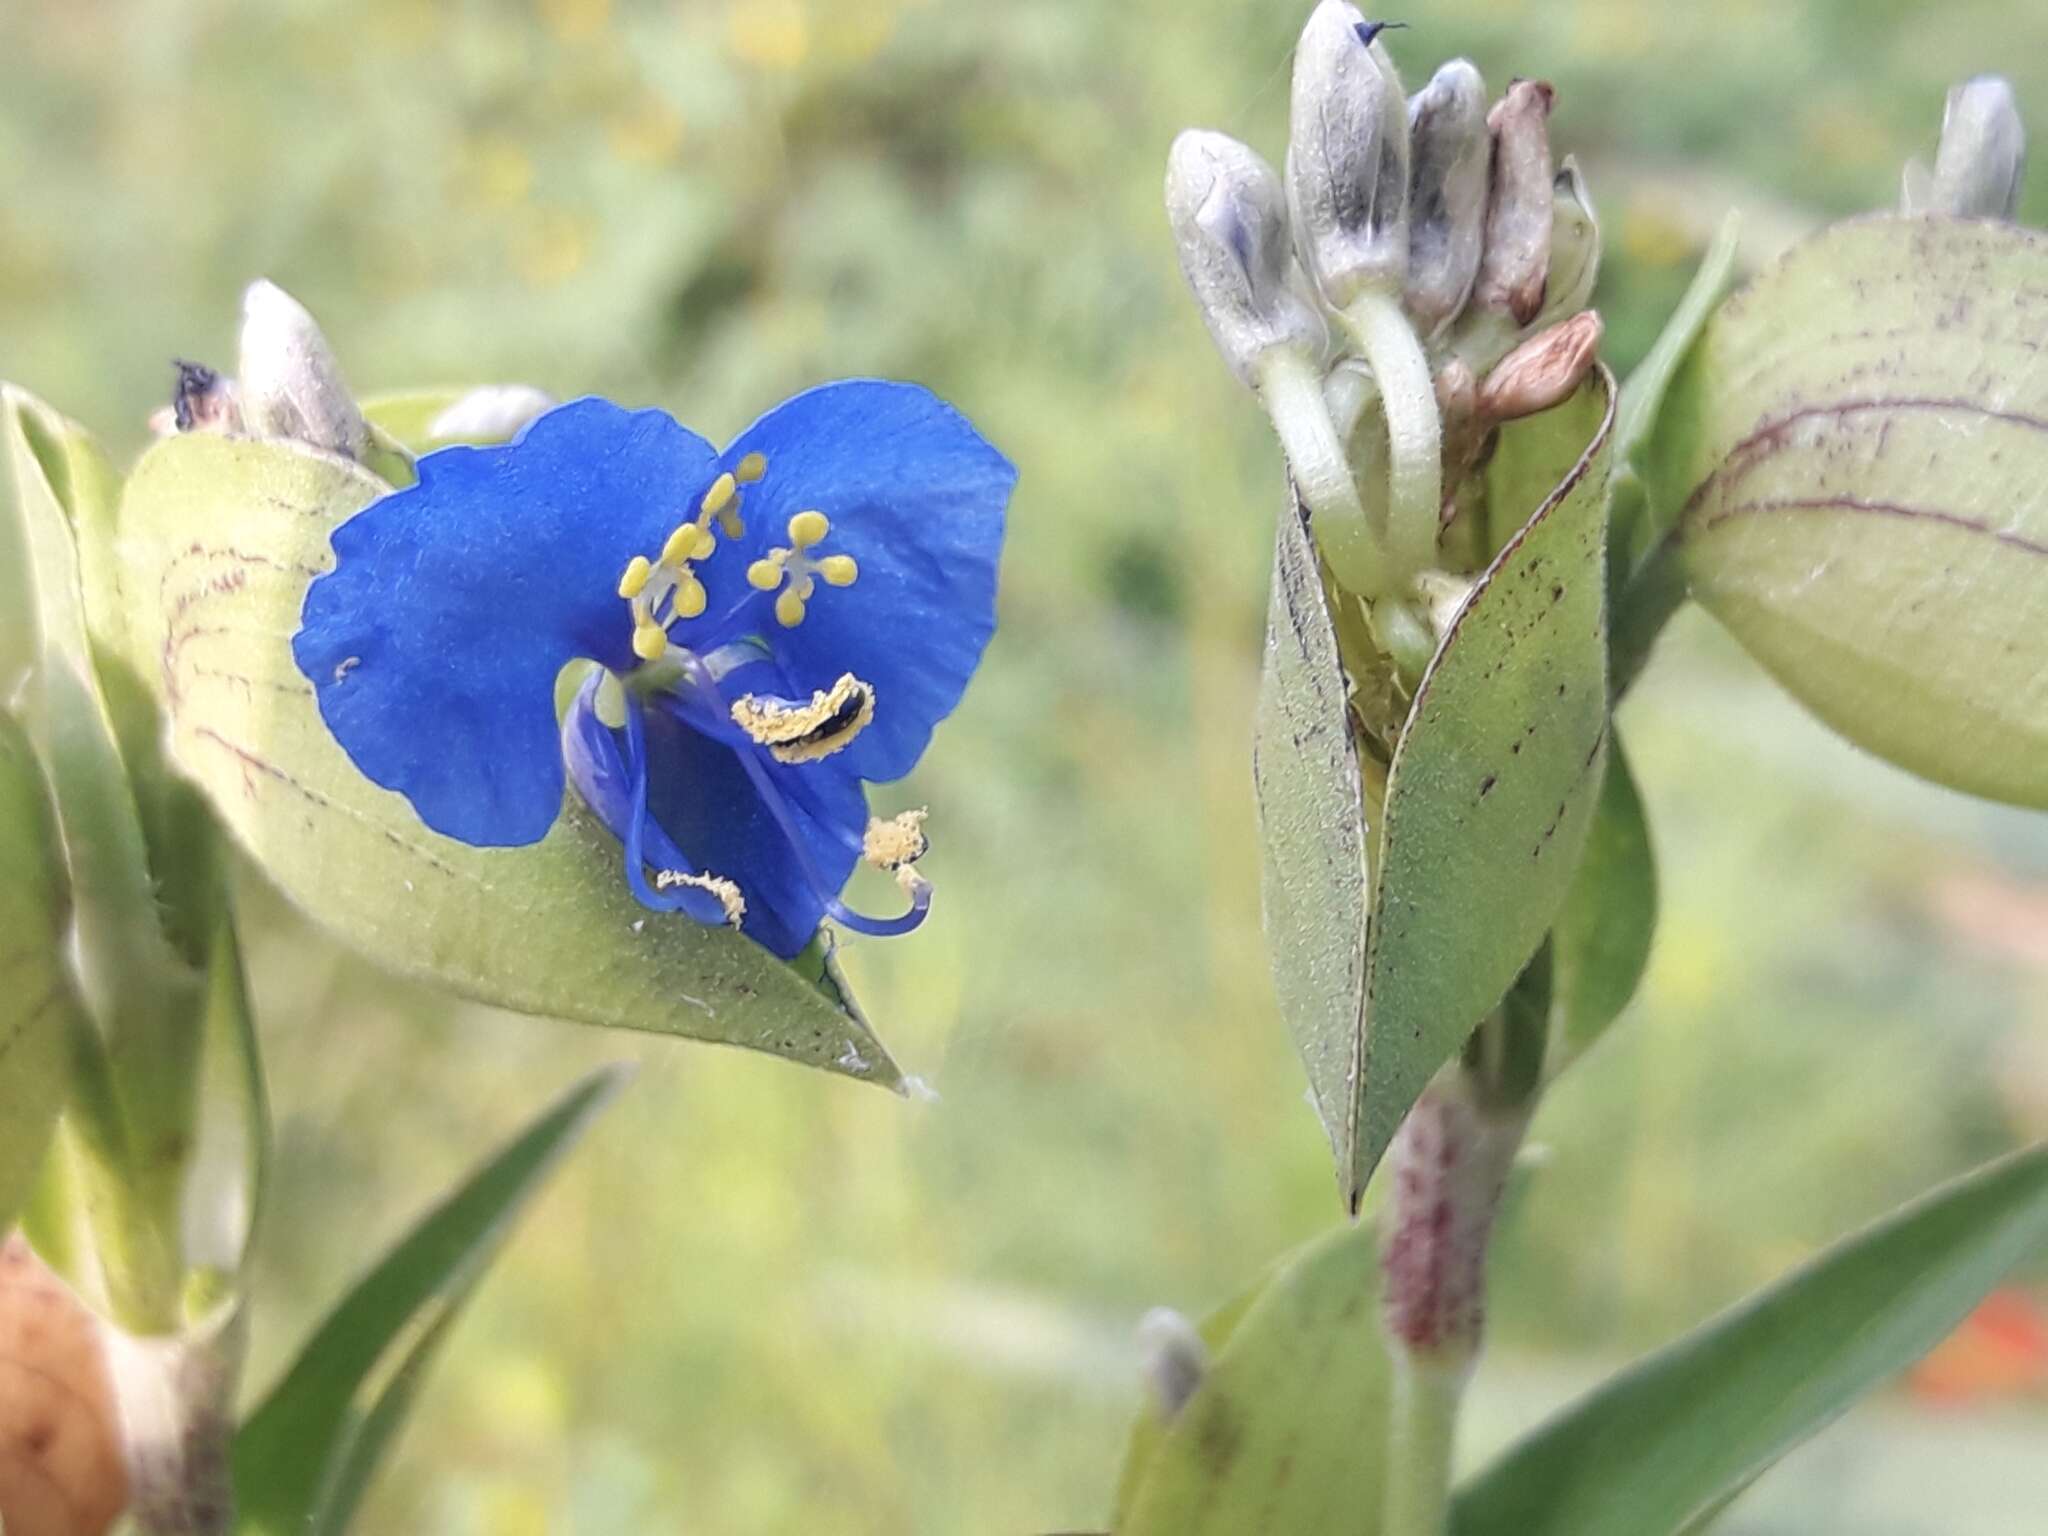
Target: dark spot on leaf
<point>1219,1436</point>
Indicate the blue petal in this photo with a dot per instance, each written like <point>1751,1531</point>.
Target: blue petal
<point>434,643</point>
<point>611,776</point>
<point>704,798</point>
<point>916,496</point>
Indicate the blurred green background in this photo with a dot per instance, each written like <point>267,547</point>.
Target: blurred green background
<point>764,1301</point>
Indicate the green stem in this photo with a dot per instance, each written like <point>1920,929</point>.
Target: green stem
<point>1292,391</point>
<point>1421,1432</point>
<point>1415,495</point>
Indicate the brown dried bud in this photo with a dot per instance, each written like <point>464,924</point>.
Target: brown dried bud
<point>1543,371</point>
<point>62,1472</point>
<point>1515,263</point>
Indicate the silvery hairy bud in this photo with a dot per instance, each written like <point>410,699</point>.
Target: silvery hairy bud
<point>1982,158</point>
<point>1347,156</point>
<point>291,384</point>
<point>1173,1358</point>
<point>1449,152</point>
<point>1515,266</point>
<point>1574,246</point>
<point>490,413</point>
<point>1229,222</point>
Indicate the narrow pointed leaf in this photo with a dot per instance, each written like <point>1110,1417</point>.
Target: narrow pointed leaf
<point>1602,940</point>
<point>219,539</point>
<point>1489,797</point>
<point>37,1005</point>
<point>1286,1431</point>
<point>140,989</point>
<point>1664,1444</point>
<point>1855,456</point>
<point>1305,768</point>
<point>302,1458</point>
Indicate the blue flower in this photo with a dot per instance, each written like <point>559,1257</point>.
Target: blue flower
<point>773,625</point>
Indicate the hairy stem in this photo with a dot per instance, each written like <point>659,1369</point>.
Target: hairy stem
<point>1415,491</point>
<point>1293,397</point>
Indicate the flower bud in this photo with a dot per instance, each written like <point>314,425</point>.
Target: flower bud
<point>1347,156</point>
<point>1449,153</point>
<point>1543,371</point>
<point>1173,1358</point>
<point>1515,265</point>
<point>1983,152</point>
<point>1574,246</point>
<point>290,382</point>
<point>1230,224</point>
<point>491,413</point>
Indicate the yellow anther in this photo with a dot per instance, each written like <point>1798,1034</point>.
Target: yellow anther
<point>765,575</point>
<point>689,598</point>
<point>751,468</point>
<point>838,570</point>
<point>807,528</point>
<point>729,520</point>
<point>649,641</point>
<point>689,542</point>
<point>789,610</point>
<point>634,581</point>
<point>720,493</point>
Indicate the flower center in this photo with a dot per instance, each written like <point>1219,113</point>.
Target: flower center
<point>667,589</point>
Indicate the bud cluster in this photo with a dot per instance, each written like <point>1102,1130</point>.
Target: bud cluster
<point>1410,245</point>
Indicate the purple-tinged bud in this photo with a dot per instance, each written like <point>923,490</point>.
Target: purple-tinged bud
<point>1347,157</point>
<point>1515,265</point>
<point>1229,222</point>
<point>1449,152</point>
<point>1173,1358</point>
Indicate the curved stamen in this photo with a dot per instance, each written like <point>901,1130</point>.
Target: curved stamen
<point>674,890</point>
<point>878,927</point>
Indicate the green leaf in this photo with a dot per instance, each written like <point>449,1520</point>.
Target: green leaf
<point>1306,775</point>
<point>1384,965</point>
<point>1491,791</point>
<point>1285,1432</point>
<point>304,1457</point>
<point>1854,457</point>
<point>1643,395</point>
<point>1149,1429</point>
<point>1633,534</point>
<point>135,1052</point>
<point>1602,940</point>
<point>1679,1433</point>
<point>219,540</point>
<point>38,1007</point>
